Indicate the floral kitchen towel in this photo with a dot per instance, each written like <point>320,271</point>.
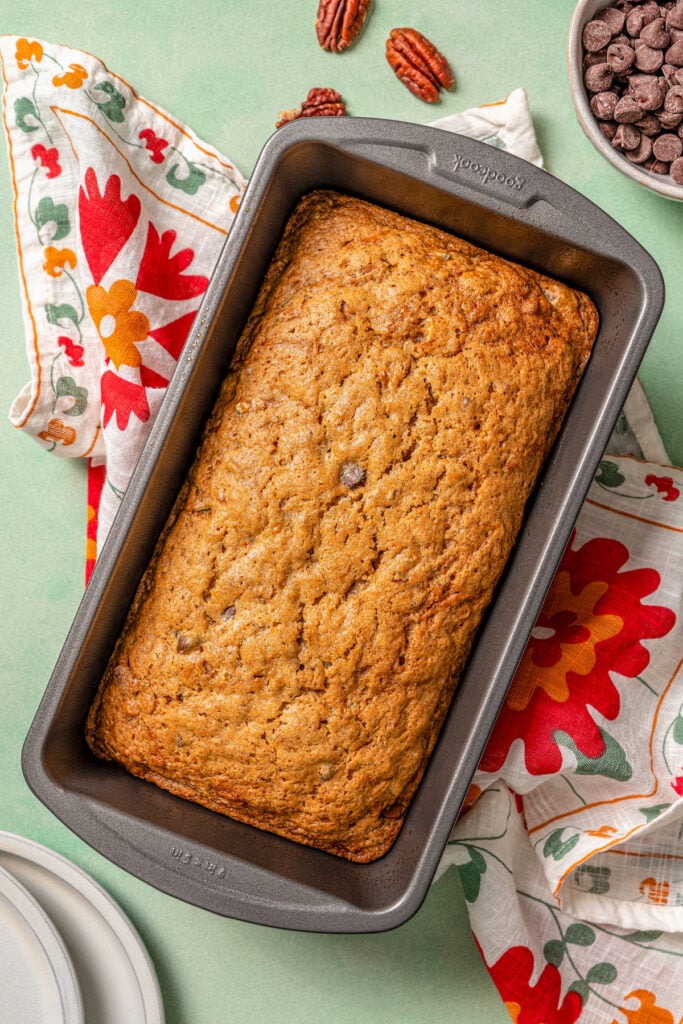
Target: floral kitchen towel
<point>569,852</point>
<point>120,212</point>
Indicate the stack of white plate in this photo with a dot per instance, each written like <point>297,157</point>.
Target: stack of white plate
<point>68,953</point>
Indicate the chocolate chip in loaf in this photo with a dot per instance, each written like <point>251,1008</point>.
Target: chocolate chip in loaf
<point>187,643</point>
<point>352,475</point>
<point>394,811</point>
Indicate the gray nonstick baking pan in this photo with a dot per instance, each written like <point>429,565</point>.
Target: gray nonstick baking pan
<point>496,201</point>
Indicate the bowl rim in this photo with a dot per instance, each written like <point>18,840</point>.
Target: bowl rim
<point>664,186</point>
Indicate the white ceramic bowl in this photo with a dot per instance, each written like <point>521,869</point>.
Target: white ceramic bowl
<point>584,12</point>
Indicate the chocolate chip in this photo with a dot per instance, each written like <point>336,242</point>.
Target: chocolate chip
<point>621,40</point>
<point>603,105</point>
<point>667,147</point>
<point>655,35</point>
<point>608,129</point>
<point>626,137</point>
<point>649,125</point>
<point>596,35</point>
<point>394,811</point>
<point>620,57</point>
<point>598,78</point>
<point>351,475</point>
<point>188,643</point>
<point>627,111</point>
<point>650,11</point>
<point>669,119</point>
<point>641,153</point>
<point>634,22</point>
<point>673,101</point>
<point>613,18</point>
<point>594,58</point>
<point>648,91</point>
<point>648,60</point>
<point>656,166</point>
<point>229,612</point>
<point>674,17</point>
<point>676,170</point>
<point>674,55</point>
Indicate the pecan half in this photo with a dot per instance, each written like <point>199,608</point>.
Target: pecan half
<point>318,103</point>
<point>339,22</point>
<point>418,64</point>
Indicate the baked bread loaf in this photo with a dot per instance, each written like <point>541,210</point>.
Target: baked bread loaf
<point>294,647</point>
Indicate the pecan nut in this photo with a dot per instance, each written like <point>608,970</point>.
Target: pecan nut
<point>339,22</point>
<point>318,103</point>
<point>418,64</point>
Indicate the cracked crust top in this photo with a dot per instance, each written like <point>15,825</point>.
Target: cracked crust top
<point>295,645</point>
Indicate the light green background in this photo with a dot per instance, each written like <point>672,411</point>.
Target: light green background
<point>227,67</point>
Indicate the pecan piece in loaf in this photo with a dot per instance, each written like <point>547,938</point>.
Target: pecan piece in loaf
<point>296,642</point>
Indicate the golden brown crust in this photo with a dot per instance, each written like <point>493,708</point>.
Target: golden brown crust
<point>296,645</point>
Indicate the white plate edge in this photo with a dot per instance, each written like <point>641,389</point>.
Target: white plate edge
<point>51,943</point>
<point>107,907</point>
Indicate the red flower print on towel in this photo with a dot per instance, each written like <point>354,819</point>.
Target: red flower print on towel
<point>74,352</point>
<point>162,274</point>
<point>106,220</point>
<point>172,336</point>
<point>592,623</point>
<point>155,144</point>
<point>664,486</point>
<point>533,1004</point>
<point>47,158</point>
<point>122,398</point>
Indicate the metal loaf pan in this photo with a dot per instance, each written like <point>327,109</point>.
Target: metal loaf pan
<point>496,201</point>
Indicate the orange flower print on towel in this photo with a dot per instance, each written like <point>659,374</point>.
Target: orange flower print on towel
<point>655,892</point>
<point>119,326</point>
<point>28,50</point>
<point>563,641</point>
<point>592,623</point>
<point>72,79</point>
<point>647,1012</point>
<point>57,259</point>
<point>533,1004</point>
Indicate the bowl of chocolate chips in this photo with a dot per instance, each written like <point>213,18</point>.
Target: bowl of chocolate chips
<point>626,76</point>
